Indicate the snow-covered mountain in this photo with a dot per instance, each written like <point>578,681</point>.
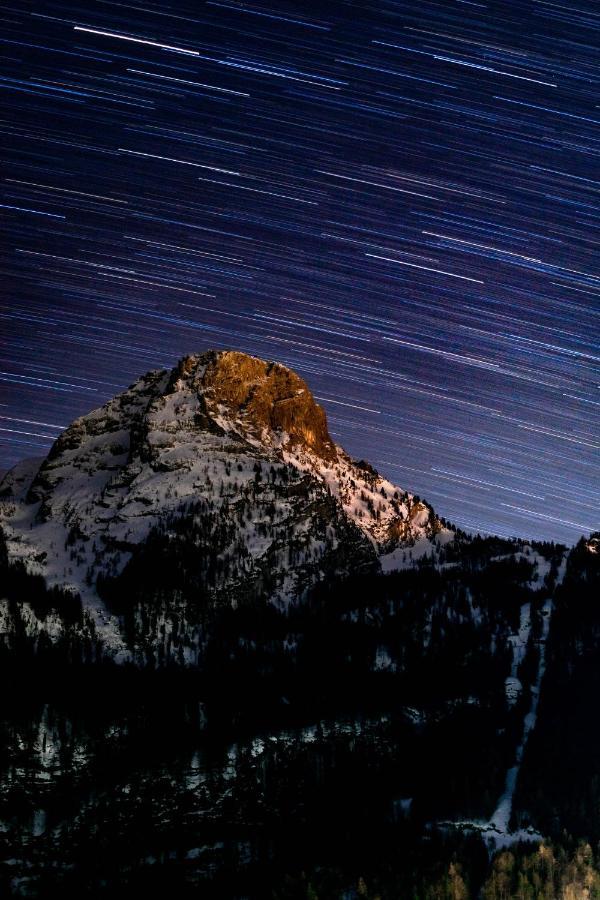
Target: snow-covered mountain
<point>208,522</point>
<point>225,447</point>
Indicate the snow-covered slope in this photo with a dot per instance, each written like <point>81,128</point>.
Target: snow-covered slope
<point>243,438</point>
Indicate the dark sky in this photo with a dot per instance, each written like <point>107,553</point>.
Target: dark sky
<point>400,200</point>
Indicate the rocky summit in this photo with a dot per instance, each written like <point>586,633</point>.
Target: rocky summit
<point>267,400</point>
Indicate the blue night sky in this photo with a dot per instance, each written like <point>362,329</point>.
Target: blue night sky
<point>399,200</point>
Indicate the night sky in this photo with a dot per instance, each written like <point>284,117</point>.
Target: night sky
<point>399,200</point>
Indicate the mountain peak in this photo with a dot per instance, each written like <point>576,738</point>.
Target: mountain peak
<point>270,402</point>
<point>227,454</point>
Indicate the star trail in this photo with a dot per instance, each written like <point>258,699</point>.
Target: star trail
<point>399,200</point>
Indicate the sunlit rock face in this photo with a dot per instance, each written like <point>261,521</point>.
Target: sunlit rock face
<point>267,400</point>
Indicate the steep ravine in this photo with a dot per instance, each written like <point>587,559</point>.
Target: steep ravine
<point>497,831</point>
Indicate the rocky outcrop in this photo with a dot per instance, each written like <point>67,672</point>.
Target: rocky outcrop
<point>269,401</point>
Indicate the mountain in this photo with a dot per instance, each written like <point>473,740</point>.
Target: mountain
<point>324,672</point>
<point>226,456</point>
